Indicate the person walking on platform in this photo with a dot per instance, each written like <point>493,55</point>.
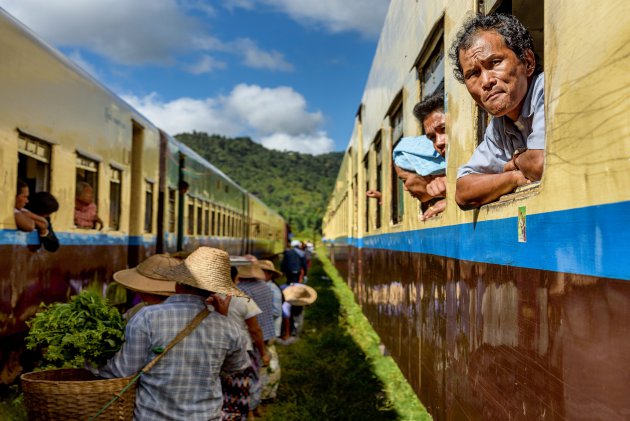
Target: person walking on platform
<point>294,262</point>
<point>184,384</point>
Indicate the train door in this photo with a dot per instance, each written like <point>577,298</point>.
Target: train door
<point>136,220</point>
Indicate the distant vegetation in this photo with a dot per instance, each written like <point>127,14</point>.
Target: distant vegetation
<point>295,184</point>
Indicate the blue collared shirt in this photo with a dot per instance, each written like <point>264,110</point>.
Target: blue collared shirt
<point>184,384</point>
<point>503,136</point>
<point>262,295</point>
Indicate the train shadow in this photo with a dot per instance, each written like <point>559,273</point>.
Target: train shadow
<point>325,374</point>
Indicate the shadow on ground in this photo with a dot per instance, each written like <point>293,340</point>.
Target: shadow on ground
<point>325,375</point>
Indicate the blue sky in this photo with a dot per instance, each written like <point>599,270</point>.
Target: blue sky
<point>287,73</point>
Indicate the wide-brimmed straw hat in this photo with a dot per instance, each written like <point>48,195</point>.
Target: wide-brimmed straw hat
<point>250,271</point>
<point>299,295</point>
<point>142,278</point>
<point>268,265</point>
<point>206,268</point>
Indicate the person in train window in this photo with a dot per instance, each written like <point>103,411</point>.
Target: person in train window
<point>430,114</point>
<point>26,220</point>
<point>85,211</point>
<point>494,57</point>
<point>417,164</point>
<point>43,204</point>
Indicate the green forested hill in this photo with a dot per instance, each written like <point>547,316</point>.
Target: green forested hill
<point>296,185</point>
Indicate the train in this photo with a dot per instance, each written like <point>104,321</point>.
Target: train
<point>59,127</point>
<point>519,309</point>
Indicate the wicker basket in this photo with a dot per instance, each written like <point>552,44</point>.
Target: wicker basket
<point>75,394</point>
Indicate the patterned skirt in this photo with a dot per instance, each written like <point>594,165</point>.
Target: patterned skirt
<point>237,393</point>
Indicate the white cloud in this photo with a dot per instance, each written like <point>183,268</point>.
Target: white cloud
<point>306,143</point>
<point>277,117</point>
<point>205,65</point>
<point>134,32</point>
<point>363,16</point>
<point>254,57</point>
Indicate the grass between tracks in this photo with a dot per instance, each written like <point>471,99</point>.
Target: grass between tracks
<point>336,370</point>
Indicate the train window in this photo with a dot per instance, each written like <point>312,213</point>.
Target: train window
<point>191,216</point>
<point>172,194</point>
<point>213,229</point>
<point>206,218</point>
<point>199,219</point>
<point>379,181</point>
<point>397,203</point>
<point>223,224</point>
<point>148,206</point>
<point>34,162</point>
<point>115,190</point>
<point>431,71</point>
<point>366,171</point>
<point>87,172</point>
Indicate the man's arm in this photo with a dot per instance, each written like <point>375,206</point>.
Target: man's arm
<point>257,338</point>
<point>474,190</point>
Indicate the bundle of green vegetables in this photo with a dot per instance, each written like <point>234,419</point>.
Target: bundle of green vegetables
<point>85,330</point>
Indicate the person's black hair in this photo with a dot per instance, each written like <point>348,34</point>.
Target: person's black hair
<point>20,185</point>
<point>516,37</point>
<point>432,103</point>
<point>233,273</point>
<point>42,203</point>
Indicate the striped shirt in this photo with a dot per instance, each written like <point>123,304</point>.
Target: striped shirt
<point>185,384</point>
<point>263,296</point>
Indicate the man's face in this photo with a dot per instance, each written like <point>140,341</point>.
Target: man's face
<point>495,77</point>
<point>435,129</point>
<point>413,183</point>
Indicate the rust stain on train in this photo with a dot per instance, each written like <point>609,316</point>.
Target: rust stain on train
<point>483,341</point>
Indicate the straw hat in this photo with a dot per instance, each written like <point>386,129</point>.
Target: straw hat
<point>268,265</point>
<point>299,295</point>
<point>250,271</point>
<point>143,279</point>
<point>206,268</point>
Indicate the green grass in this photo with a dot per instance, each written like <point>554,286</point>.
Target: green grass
<point>336,371</point>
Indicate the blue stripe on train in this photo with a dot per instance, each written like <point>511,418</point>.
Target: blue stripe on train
<point>594,241</point>
<point>76,239</point>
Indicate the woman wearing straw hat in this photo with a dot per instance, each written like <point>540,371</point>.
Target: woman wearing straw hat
<point>296,296</point>
<point>184,384</point>
<point>270,376</point>
<point>249,281</point>
<point>150,287</point>
<point>237,387</point>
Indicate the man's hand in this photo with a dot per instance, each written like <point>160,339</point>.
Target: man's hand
<point>433,210</point>
<point>220,304</point>
<point>375,194</point>
<point>437,187</point>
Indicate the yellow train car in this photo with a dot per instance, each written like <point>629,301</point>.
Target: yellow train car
<point>60,131</point>
<point>518,309</point>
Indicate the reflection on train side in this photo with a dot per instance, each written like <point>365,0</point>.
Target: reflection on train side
<point>483,344</point>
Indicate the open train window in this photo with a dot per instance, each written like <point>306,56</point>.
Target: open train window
<point>172,194</point>
<point>206,218</point>
<point>34,162</point>
<point>191,216</point>
<point>115,195</point>
<point>213,229</point>
<point>531,14</point>
<point>379,178</point>
<point>87,172</point>
<point>148,206</point>
<point>431,66</point>
<point>199,219</point>
<point>366,171</point>
<point>397,188</point>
